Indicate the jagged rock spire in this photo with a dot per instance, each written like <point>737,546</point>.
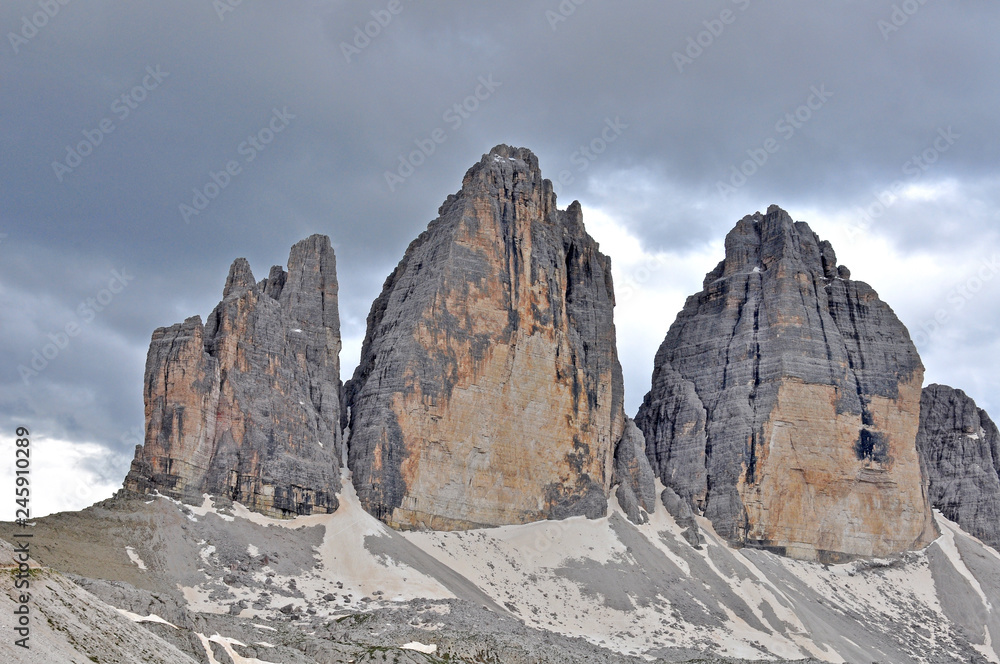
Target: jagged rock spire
<point>247,406</point>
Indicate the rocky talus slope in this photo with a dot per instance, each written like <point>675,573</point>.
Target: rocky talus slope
<point>785,403</point>
<point>221,583</point>
<point>960,447</point>
<point>489,390</point>
<point>247,405</point>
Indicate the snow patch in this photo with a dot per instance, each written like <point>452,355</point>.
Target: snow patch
<point>185,509</point>
<point>947,544</point>
<point>420,647</point>
<point>135,617</point>
<point>227,645</point>
<point>208,507</point>
<point>206,554</point>
<point>134,557</point>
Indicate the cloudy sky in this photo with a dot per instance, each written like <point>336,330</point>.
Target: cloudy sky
<point>875,122</point>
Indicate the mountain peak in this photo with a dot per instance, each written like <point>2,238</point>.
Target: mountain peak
<point>760,242</point>
<point>489,390</point>
<point>786,397</point>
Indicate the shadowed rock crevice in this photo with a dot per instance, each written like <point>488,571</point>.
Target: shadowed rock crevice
<point>634,476</point>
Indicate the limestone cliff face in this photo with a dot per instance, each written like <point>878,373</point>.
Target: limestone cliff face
<point>247,406</point>
<point>960,447</point>
<point>489,390</point>
<point>785,402</point>
<point>633,475</point>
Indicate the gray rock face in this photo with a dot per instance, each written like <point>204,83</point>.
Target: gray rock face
<point>673,420</point>
<point>785,402</point>
<point>633,475</point>
<point>681,510</point>
<point>247,406</point>
<point>960,447</point>
<point>489,390</point>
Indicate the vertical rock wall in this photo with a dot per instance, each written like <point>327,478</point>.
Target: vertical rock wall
<point>489,390</point>
<point>960,447</point>
<point>247,405</point>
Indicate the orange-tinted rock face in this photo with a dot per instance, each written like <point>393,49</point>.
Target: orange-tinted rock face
<point>814,497</point>
<point>786,400</point>
<point>489,390</point>
<point>247,406</point>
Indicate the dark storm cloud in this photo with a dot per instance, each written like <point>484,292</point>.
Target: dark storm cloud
<point>695,88</point>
